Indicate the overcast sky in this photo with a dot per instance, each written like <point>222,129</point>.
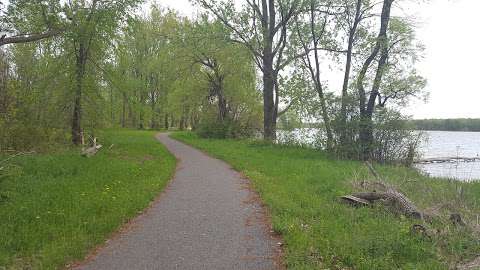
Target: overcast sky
<point>449,29</point>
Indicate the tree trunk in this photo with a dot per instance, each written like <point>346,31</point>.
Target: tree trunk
<point>222,107</point>
<point>165,121</point>
<point>172,121</point>
<point>142,113</point>
<point>315,73</point>
<point>81,60</point>
<point>269,119</point>
<point>193,121</point>
<point>346,78</point>
<point>268,31</point>
<point>218,90</point>
<point>124,110</point>
<point>153,123</point>
<point>367,107</point>
<point>112,111</point>
<point>366,135</point>
<point>3,82</point>
<point>182,123</point>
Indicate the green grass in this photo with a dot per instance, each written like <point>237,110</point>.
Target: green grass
<point>57,207</point>
<point>301,188</point>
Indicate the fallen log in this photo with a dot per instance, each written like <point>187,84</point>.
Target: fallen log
<point>91,151</point>
<point>388,196</point>
<point>355,200</point>
<point>394,199</point>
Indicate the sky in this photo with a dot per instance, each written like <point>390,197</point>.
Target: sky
<point>449,29</point>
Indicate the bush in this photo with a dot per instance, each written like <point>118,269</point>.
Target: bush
<point>225,129</point>
<point>25,137</point>
<point>214,129</point>
<point>244,125</point>
<point>395,139</point>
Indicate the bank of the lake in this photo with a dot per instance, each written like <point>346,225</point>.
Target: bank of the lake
<point>301,188</point>
<point>56,207</point>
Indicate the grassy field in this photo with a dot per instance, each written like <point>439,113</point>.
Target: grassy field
<point>301,188</point>
<point>56,207</point>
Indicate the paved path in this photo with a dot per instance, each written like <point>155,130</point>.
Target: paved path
<point>206,219</point>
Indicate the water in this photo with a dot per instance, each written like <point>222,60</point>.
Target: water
<point>451,144</point>
<point>438,144</point>
<point>302,136</point>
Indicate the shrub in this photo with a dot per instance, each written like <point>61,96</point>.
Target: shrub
<point>244,125</point>
<point>395,139</point>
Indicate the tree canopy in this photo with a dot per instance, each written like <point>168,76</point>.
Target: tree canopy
<point>78,66</point>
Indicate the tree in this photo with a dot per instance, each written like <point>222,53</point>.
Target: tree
<point>146,67</point>
<point>310,36</point>
<point>263,27</point>
<point>93,24</point>
<point>321,29</point>
<point>228,72</point>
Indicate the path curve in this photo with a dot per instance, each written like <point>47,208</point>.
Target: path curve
<point>206,218</point>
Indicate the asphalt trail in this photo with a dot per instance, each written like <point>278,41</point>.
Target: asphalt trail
<point>207,218</point>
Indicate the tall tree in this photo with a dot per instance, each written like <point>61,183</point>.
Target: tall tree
<point>263,27</point>
<point>93,24</point>
<point>367,106</point>
<point>324,27</point>
<point>311,35</point>
<point>353,20</point>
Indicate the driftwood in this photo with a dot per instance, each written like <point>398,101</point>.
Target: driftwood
<point>379,191</point>
<point>355,200</point>
<point>392,198</point>
<point>91,151</point>
<point>389,196</point>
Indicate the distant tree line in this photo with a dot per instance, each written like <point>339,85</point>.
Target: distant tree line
<point>459,124</point>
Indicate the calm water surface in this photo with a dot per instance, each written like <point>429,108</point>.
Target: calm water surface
<point>437,144</point>
<point>452,144</point>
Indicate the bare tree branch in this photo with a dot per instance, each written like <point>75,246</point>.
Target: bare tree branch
<point>24,38</point>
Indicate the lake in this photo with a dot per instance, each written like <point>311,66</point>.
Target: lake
<point>438,144</point>
<point>451,144</point>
